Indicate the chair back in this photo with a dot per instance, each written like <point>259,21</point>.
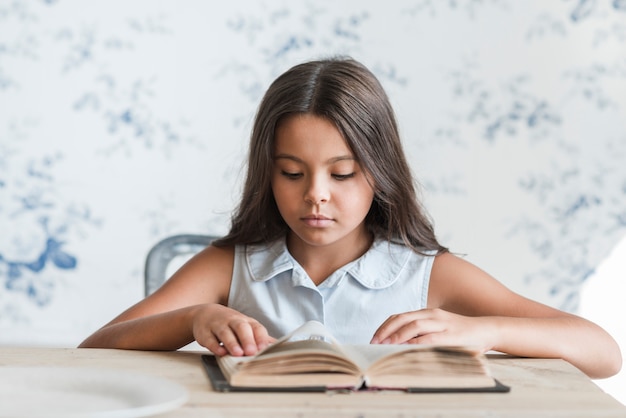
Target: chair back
<point>164,252</point>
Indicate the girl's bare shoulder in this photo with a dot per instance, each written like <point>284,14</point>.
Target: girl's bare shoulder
<point>459,286</point>
<point>205,278</point>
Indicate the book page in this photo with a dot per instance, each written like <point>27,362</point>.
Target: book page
<point>311,355</point>
<point>308,349</point>
<point>366,355</point>
<point>308,354</point>
<point>311,335</point>
<point>427,366</point>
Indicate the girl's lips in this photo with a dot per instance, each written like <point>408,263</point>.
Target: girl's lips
<point>317,221</point>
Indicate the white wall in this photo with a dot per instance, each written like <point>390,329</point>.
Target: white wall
<point>124,122</point>
<point>602,301</point>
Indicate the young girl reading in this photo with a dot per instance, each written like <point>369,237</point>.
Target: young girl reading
<point>329,228</point>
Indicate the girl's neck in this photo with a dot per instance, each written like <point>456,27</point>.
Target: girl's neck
<point>322,260</point>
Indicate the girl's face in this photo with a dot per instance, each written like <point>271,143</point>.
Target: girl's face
<point>321,191</point>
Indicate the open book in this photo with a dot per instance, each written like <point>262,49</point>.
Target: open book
<point>311,359</point>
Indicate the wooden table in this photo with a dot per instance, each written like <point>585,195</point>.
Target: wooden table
<point>539,387</point>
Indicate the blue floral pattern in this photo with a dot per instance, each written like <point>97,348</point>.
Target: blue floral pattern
<point>122,123</point>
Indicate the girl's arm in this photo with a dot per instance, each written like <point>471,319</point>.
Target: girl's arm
<point>468,306</point>
<point>189,306</point>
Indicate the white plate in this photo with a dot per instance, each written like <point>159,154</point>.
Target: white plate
<point>85,392</point>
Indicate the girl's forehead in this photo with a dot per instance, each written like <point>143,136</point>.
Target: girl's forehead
<point>309,133</point>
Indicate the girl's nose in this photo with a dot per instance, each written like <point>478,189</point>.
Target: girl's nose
<point>317,192</point>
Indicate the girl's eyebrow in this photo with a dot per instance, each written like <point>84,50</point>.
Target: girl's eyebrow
<point>329,161</point>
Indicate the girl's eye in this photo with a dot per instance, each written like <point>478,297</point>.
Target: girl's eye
<point>343,176</point>
<point>291,176</point>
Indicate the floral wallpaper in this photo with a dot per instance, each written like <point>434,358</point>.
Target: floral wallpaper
<point>122,123</point>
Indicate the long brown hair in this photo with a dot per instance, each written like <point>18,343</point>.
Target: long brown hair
<point>346,93</point>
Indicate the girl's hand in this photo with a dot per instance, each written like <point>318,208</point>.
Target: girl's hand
<point>226,331</point>
<point>435,326</point>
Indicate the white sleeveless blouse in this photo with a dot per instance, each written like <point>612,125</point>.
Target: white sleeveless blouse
<point>269,285</point>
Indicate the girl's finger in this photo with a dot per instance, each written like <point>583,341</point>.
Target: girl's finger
<point>245,335</point>
<point>261,337</point>
<point>211,343</point>
<point>416,329</point>
<point>229,341</point>
<point>392,325</point>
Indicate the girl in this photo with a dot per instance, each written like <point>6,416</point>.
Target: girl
<point>329,228</point>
